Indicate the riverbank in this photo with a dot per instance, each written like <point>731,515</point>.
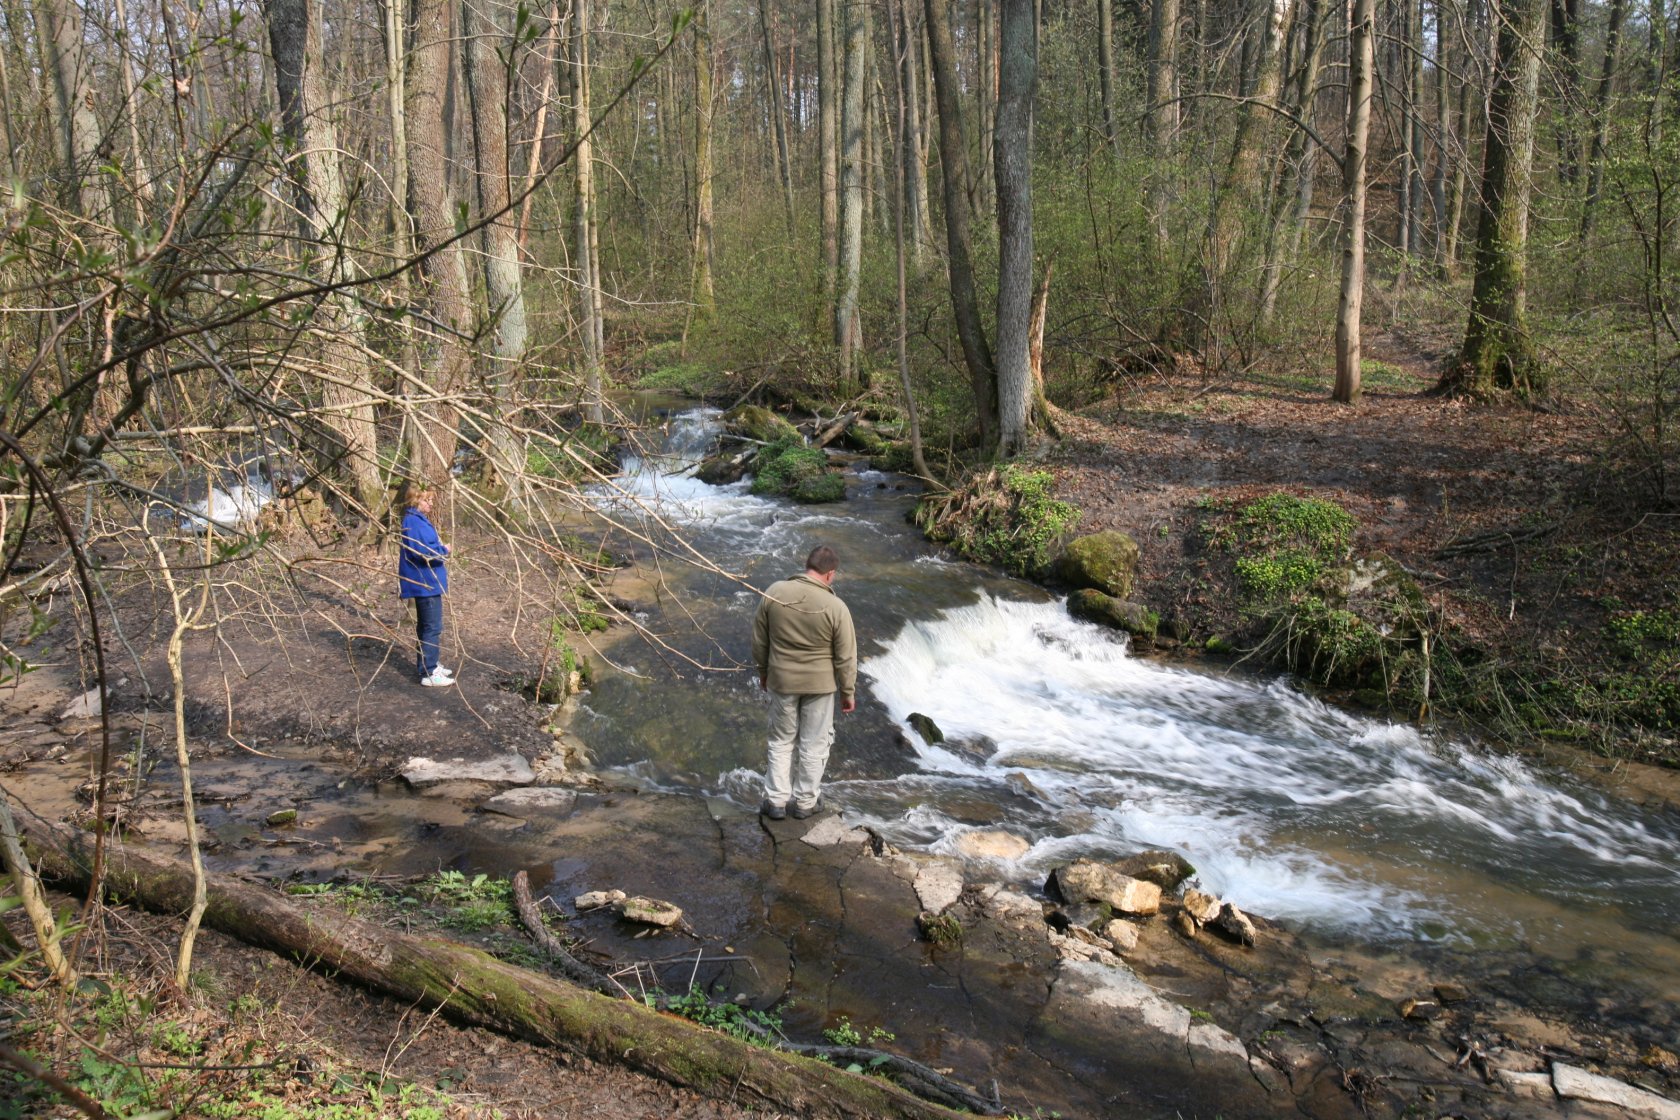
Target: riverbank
<point>1542,580</point>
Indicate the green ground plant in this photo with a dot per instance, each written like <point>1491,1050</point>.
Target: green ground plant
<point>761,1028</point>
<point>470,904</point>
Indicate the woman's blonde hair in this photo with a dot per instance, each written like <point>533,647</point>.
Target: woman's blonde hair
<point>409,492</point>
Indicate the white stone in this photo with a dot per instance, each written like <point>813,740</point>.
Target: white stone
<point>829,831</point>
<point>508,770</point>
<point>1003,903</point>
<point>89,705</point>
<point>938,885</point>
<point>532,801</point>
<point>1123,991</point>
<point>1210,1036</point>
<point>991,843</point>
<point>651,911</point>
<point>1200,906</point>
<point>1122,935</point>
<point>594,900</point>
<point>1577,1084</point>
<point>1538,1085</point>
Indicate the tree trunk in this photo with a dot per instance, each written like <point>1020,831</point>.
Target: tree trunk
<point>587,260</point>
<point>703,294</point>
<point>1294,192</point>
<point>1566,40</point>
<point>295,37</point>
<point>1601,115</point>
<point>1414,138</point>
<point>445,358</point>
<point>959,244</point>
<point>475,988</point>
<point>1163,113</point>
<point>1498,352</point>
<point>1361,63</point>
<point>1656,68</point>
<point>913,154</point>
<point>1443,139</point>
<point>504,285</point>
<point>778,114</point>
<point>904,96</point>
<point>1017,85</point>
<point>847,329</point>
<point>1406,205</point>
<point>69,72</point>
<point>1105,71</point>
<point>828,130</point>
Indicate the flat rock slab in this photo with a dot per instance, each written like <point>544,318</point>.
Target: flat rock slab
<point>806,917</point>
<point>505,770</point>
<point>1577,1084</point>
<point>533,801</point>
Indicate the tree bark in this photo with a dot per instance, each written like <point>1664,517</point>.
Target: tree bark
<point>443,281</point>
<point>912,151</point>
<point>475,988</point>
<point>828,141</point>
<point>1017,85</point>
<point>847,329</point>
<point>1361,63</point>
<point>703,293</point>
<point>1105,72</point>
<point>69,69</point>
<point>587,257</point>
<point>1498,352</point>
<point>1294,192</point>
<point>904,89</point>
<point>778,114</point>
<point>504,282</point>
<point>323,208</point>
<point>1601,116</point>
<point>959,244</point>
<point>1163,112</point>
<point>1566,40</point>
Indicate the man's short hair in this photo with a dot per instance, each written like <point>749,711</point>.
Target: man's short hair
<point>822,560</point>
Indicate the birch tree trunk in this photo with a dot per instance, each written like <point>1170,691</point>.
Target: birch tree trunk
<point>1498,352</point>
<point>703,293</point>
<point>587,254</point>
<point>1349,305</point>
<point>959,243</point>
<point>1017,85</point>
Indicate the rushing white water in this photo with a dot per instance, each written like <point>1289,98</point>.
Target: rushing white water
<point>1251,781</point>
<point>1286,805</point>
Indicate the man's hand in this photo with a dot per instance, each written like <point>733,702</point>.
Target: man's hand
<point>849,704</point>
<point>763,684</point>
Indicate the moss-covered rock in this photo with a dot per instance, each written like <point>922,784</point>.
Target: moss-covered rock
<point>1105,561</point>
<point>757,422</point>
<point>1134,618</point>
<point>796,472</point>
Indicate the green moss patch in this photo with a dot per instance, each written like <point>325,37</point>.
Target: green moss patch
<point>787,469</point>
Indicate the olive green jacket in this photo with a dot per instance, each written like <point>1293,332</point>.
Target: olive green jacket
<point>803,642</point>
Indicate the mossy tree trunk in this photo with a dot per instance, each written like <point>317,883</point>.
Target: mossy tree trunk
<point>1498,352</point>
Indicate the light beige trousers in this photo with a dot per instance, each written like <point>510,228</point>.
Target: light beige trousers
<point>801,732</point>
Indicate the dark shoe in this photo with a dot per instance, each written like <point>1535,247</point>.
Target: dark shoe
<point>775,812</point>
<point>800,814</point>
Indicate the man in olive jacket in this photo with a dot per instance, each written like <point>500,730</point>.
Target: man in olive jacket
<point>806,651</point>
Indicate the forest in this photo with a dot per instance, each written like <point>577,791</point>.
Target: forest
<point>262,262</point>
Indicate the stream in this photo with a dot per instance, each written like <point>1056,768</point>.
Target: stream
<point>1361,834</point>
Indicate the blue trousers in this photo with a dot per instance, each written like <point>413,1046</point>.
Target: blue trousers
<point>428,626</point>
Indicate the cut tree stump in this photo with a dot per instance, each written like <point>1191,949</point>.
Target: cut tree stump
<point>476,988</point>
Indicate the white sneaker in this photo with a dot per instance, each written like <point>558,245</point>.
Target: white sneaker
<point>442,672</point>
<point>437,679</point>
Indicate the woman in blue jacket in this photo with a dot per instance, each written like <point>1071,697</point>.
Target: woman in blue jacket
<point>422,576</point>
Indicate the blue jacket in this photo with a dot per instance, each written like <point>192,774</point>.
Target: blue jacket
<point>420,570</point>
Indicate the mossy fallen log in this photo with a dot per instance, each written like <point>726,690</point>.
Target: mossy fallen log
<point>476,988</point>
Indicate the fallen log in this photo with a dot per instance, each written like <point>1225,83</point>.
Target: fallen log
<point>475,988</point>
<point>834,431</point>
